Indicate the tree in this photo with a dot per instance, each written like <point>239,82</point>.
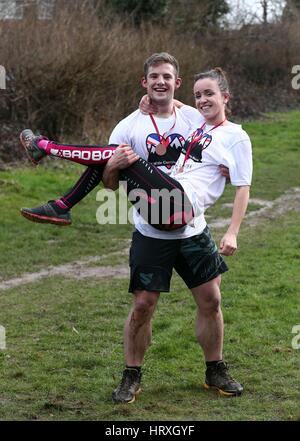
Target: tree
<point>264,4</point>
<point>214,11</point>
<point>140,10</point>
<point>291,10</point>
<point>188,14</point>
<point>197,16</point>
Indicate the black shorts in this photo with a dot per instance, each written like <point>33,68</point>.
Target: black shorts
<point>195,259</point>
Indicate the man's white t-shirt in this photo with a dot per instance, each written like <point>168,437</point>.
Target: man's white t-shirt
<point>199,174</point>
<point>139,132</point>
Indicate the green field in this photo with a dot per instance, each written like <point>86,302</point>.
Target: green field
<point>64,335</point>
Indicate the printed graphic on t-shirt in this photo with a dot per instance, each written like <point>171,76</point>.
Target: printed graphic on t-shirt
<point>195,144</point>
<point>173,145</point>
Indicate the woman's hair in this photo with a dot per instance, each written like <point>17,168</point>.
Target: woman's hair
<point>218,74</point>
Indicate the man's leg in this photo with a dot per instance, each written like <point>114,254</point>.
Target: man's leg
<point>151,265</point>
<point>138,329</point>
<point>209,319</point>
<point>200,266</point>
<point>137,338</point>
<point>210,333</point>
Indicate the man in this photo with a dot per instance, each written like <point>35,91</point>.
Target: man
<point>159,139</point>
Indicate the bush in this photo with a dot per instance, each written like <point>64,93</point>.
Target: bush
<point>75,76</point>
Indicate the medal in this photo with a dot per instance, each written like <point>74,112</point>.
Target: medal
<point>161,149</point>
<point>195,140</point>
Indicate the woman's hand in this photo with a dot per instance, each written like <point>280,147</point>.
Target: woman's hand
<point>146,106</point>
<point>225,172</point>
<point>228,244</point>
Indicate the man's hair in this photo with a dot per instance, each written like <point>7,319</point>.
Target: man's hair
<point>161,57</point>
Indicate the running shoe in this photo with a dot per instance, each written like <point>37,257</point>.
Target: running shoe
<point>217,377</point>
<point>29,142</point>
<point>49,213</point>
<point>129,387</point>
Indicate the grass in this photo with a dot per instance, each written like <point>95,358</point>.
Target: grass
<point>64,336</point>
<point>276,145</point>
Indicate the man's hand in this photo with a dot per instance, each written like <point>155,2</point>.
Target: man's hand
<point>228,244</point>
<point>224,172</point>
<point>146,106</point>
<point>123,157</point>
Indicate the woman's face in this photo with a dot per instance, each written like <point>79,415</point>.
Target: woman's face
<point>210,101</point>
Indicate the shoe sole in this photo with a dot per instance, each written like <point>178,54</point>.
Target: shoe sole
<point>26,151</point>
<point>223,393</point>
<point>44,219</point>
<point>131,401</point>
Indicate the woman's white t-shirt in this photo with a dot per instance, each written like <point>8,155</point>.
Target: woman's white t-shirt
<point>199,174</point>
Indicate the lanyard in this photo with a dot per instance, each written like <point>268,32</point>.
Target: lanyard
<point>196,138</point>
<point>161,148</point>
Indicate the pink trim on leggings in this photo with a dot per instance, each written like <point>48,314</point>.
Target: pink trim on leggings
<point>85,155</point>
<point>42,143</point>
<point>61,204</point>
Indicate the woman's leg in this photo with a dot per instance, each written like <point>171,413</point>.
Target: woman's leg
<point>82,154</point>
<point>161,200</point>
<point>57,211</point>
<point>85,184</point>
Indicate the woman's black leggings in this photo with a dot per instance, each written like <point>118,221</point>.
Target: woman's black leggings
<point>159,199</point>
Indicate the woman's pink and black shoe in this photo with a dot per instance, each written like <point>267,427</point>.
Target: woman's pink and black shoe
<point>49,213</point>
<point>30,143</point>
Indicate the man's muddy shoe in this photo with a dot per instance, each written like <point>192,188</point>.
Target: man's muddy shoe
<point>217,377</point>
<point>49,213</point>
<point>29,142</point>
<point>129,386</point>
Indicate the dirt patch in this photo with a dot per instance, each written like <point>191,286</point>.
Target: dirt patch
<point>289,201</point>
<point>76,270</point>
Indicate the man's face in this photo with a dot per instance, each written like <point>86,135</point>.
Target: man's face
<point>161,83</point>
